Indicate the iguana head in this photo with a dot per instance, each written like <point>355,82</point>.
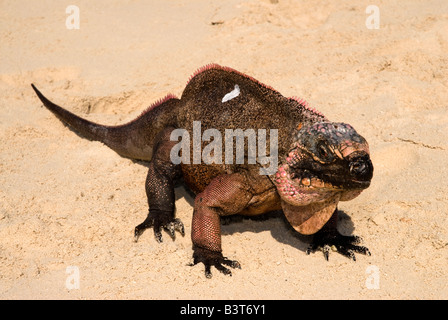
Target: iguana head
<point>328,162</point>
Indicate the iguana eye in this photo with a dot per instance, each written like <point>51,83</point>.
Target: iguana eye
<point>324,152</point>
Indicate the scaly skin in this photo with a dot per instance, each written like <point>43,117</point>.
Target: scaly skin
<point>320,162</point>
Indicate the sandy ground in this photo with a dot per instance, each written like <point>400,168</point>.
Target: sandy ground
<point>68,204</point>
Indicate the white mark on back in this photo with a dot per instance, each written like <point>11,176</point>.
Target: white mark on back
<point>232,94</point>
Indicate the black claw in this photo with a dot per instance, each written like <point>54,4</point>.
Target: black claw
<point>158,235</point>
<point>179,226</point>
<point>361,249</point>
<point>326,250</point>
<point>233,264</point>
<point>141,228</point>
<point>213,258</point>
<point>158,221</point>
<point>346,252</point>
<point>345,245</point>
<point>170,229</point>
<point>223,269</point>
<point>208,273</point>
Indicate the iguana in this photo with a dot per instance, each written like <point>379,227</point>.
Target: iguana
<point>319,162</point>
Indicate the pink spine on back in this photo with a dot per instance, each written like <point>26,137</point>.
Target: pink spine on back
<point>305,105</point>
<point>215,66</point>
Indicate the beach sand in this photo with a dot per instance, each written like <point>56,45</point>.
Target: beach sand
<point>68,206</point>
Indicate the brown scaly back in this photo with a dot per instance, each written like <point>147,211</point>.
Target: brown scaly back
<point>228,69</point>
<point>307,112</point>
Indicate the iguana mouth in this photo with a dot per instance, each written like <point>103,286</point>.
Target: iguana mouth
<point>309,179</point>
<point>301,185</point>
<point>309,198</point>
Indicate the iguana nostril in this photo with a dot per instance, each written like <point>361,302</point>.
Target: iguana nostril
<point>361,168</point>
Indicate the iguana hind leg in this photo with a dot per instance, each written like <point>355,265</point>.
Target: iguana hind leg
<point>160,191</point>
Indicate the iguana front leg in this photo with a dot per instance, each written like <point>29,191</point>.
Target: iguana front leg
<point>225,195</point>
<point>160,191</point>
<point>329,238</point>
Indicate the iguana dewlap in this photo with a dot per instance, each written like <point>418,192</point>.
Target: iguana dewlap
<point>319,162</point>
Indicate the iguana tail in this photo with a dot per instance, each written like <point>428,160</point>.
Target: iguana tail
<point>134,139</point>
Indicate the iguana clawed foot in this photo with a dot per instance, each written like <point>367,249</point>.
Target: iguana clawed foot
<point>333,240</point>
<point>159,220</point>
<point>213,258</point>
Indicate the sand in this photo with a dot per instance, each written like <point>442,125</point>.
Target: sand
<point>68,206</point>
